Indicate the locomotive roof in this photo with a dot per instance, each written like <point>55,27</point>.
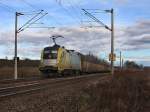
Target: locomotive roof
<point>54,47</point>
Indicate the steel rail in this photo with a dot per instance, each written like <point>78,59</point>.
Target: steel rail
<point>2,81</point>
<point>15,90</point>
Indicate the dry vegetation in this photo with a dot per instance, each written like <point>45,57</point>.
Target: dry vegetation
<point>26,68</point>
<point>128,91</point>
<point>24,72</point>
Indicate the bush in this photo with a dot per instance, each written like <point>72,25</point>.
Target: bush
<point>124,93</point>
<point>132,64</point>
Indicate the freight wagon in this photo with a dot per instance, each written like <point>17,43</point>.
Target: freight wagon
<point>57,60</point>
<point>89,66</point>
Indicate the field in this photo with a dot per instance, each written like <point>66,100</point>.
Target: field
<point>26,68</point>
<point>127,91</point>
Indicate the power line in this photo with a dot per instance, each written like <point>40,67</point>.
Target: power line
<point>79,7</point>
<point>35,8</point>
<point>8,8</point>
<point>27,3</point>
<point>69,13</point>
<point>75,10</point>
<point>95,19</point>
<point>31,19</point>
<point>34,21</point>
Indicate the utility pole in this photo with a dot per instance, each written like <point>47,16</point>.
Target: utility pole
<point>112,41</point>
<point>120,60</point>
<point>122,63</point>
<point>26,25</point>
<point>16,35</point>
<point>111,55</point>
<point>15,58</point>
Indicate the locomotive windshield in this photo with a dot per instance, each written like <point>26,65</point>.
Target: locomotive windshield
<point>50,54</point>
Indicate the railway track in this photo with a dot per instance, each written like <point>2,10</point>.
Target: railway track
<point>12,82</point>
<point>43,84</point>
<point>7,81</point>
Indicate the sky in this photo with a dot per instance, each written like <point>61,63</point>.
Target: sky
<point>66,18</point>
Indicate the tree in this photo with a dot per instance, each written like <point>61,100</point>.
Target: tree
<point>132,64</point>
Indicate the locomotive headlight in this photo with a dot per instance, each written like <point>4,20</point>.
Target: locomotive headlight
<point>54,52</point>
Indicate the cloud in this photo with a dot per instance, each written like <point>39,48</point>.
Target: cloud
<point>137,36</point>
<point>140,58</point>
<point>94,40</point>
<point>82,40</point>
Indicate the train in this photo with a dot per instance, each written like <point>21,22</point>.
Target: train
<point>59,61</point>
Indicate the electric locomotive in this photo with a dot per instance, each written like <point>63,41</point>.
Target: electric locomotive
<point>56,60</point>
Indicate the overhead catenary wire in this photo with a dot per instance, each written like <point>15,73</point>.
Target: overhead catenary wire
<point>34,21</point>
<point>69,13</point>
<point>31,12</point>
<point>8,8</point>
<point>36,8</point>
<point>59,3</point>
<point>78,6</point>
<point>27,3</point>
<point>30,20</point>
<point>76,9</point>
<point>95,19</point>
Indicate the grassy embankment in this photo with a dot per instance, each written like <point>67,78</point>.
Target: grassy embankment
<point>128,91</point>
<point>26,68</point>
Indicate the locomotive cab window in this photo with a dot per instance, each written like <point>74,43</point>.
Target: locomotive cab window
<point>50,55</point>
<point>53,55</point>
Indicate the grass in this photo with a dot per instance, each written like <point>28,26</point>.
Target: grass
<point>7,72</point>
<point>26,68</point>
<point>128,91</point>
